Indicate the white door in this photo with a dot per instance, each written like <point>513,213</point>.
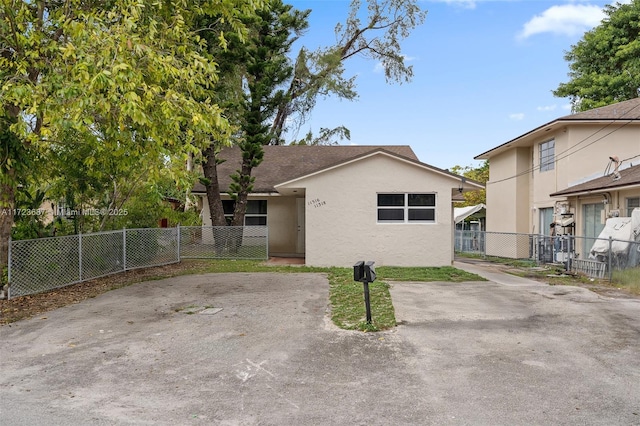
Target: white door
<point>300,204</point>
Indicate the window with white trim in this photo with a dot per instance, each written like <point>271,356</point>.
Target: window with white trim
<point>632,203</point>
<point>547,155</point>
<point>407,208</point>
<point>256,214</point>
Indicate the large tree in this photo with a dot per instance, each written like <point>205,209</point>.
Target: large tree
<point>252,73</point>
<point>605,64</point>
<point>132,72</point>
<point>374,32</point>
<point>265,66</point>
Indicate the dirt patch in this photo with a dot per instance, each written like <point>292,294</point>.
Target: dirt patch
<point>555,275</point>
<point>25,307</point>
<point>34,305</point>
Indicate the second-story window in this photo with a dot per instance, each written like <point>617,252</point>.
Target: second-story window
<point>547,155</point>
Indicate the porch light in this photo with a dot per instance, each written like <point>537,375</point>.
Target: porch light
<point>461,186</point>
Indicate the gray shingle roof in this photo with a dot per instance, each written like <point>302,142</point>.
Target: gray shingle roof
<point>283,163</point>
<point>625,110</point>
<point>628,177</point>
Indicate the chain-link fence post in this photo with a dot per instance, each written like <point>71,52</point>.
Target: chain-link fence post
<point>80,256</point>
<point>610,258</point>
<point>9,271</point>
<point>124,249</point>
<point>178,238</point>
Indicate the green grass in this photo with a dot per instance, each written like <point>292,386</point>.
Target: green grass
<point>347,302</point>
<point>518,263</point>
<point>628,279</point>
<point>347,296</point>
<point>444,273</point>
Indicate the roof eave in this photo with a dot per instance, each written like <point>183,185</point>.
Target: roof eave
<point>548,127</point>
<point>487,154</point>
<point>453,176</point>
<point>595,191</point>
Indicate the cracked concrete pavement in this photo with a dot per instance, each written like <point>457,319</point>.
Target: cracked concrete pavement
<point>258,349</point>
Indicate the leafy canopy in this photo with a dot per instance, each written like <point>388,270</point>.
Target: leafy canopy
<point>479,174</point>
<point>605,64</point>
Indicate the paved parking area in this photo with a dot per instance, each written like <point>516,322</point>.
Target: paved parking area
<point>257,349</point>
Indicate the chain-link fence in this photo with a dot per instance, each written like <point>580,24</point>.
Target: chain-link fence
<point>45,264</point>
<point>224,242</point>
<point>611,259</point>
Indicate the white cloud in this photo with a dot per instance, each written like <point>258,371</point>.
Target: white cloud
<point>378,68</point>
<point>467,4</point>
<point>568,19</point>
<point>566,107</point>
<point>547,108</point>
<point>516,116</point>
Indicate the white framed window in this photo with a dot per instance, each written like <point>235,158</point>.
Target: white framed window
<point>546,219</point>
<point>632,203</point>
<point>256,214</point>
<point>547,155</point>
<point>407,208</point>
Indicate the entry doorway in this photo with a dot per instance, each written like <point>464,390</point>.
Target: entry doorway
<point>300,242</point>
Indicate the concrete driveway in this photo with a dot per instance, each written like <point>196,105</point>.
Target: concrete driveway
<point>162,352</point>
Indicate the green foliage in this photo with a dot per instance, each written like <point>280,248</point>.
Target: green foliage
<point>265,66</point>
<point>325,137</point>
<point>478,174</point>
<point>255,70</point>
<point>105,92</point>
<point>605,64</point>
<point>30,218</point>
<point>321,73</point>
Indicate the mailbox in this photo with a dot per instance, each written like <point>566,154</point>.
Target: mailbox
<point>369,272</point>
<point>358,271</point>
<point>365,272</point>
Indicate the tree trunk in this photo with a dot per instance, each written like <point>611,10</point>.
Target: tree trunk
<point>210,170</point>
<point>244,183</point>
<point>240,207</point>
<point>7,204</point>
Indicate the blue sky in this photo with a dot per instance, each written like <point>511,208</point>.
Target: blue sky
<point>483,74</point>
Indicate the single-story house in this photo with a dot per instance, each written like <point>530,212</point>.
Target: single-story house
<point>335,205</point>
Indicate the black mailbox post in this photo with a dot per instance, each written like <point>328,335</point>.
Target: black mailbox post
<point>366,273</point>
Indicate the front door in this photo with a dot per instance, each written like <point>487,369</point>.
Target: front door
<point>300,204</point>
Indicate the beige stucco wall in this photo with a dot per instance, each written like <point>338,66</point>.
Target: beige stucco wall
<point>341,216</point>
<point>582,153</point>
<point>508,204</point>
<point>282,225</point>
<point>592,147</point>
<point>281,222</point>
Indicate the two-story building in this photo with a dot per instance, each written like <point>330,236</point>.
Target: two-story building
<point>576,170</point>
